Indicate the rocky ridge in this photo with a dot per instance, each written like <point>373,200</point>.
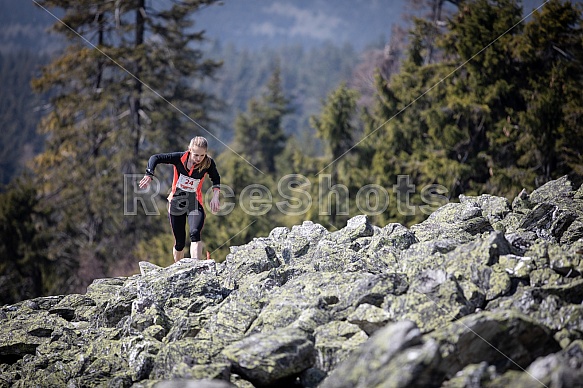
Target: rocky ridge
<point>484,293</point>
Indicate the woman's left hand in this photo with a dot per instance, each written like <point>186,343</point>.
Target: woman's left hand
<point>215,203</point>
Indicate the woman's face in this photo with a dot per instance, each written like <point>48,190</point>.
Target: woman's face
<point>197,154</point>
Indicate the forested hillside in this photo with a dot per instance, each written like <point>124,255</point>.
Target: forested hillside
<point>307,75</point>
<point>473,99</point>
<point>20,113</point>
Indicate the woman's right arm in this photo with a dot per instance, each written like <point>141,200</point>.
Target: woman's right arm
<point>154,160</point>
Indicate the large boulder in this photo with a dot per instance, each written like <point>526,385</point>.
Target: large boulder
<point>269,358</point>
<point>395,356</point>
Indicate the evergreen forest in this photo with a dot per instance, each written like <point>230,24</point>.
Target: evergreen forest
<point>473,100</point>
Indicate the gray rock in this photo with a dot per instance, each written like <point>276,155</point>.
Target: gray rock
<point>561,369</point>
<point>358,226</point>
<point>494,209</point>
<point>454,221</point>
<point>553,191</point>
<point>73,306</point>
<point>431,302</point>
<point>396,356</point>
<point>394,238</point>
<point>185,383</point>
<point>503,339</point>
<point>335,341</point>
<point>521,203</point>
<point>267,358</point>
<point>147,267</point>
<point>369,318</point>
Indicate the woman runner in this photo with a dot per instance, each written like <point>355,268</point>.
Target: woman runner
<point>185,199</point>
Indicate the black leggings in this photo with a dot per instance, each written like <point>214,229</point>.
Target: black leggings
<point>182,206</point>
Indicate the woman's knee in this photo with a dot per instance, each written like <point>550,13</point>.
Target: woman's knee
<point>195,235</point>
<point>179,245</point>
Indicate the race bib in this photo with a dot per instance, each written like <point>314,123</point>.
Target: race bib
<point>186,183</point>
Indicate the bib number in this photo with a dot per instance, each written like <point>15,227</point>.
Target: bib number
<point>186,183</point>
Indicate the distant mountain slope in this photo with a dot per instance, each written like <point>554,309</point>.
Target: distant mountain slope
<point>248,24</point>
<point>259,23</point>
<point>255,24</point>
<point>23,25</point>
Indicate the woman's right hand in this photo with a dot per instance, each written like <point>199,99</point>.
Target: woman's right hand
<point>145,182</point>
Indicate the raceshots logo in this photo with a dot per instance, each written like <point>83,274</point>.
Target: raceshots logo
<point>295,196</point>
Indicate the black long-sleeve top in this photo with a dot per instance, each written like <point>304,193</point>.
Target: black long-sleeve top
<point>184,180</point>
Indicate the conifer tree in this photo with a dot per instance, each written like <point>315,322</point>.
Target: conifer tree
<point>120,92</point>
<point>434,116</point>
<point>337,128</point>
<point>551,57</point>
<point>249,173</point>
<point>259,133</point>
<point>336,125</point>
<point>19,112</point>
<point>478,94</point>
<point>26,271</point>
<point>494,114</point>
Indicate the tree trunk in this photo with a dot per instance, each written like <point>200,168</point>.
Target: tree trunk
<point>136,103</point>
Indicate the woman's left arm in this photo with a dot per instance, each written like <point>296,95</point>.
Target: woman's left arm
<point>216,179</point>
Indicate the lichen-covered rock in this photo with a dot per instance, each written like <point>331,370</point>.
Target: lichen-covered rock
<point>336,293</point>
<point>485,292</point>
<point>73,305</point>
<point>267,358</point>
<point>251,258</point>
<point>556,307</point>
<point>561,369</point>
<point>28,330</point>
<point>393,235</point>
<point>395,356</point>
<point>147,268</point>
<point>369,318</point>
<point>193,383</point>
<point>517,266</point>
<point>335,341</point>
<point>171,358</point>
<point>460,222</point>
<point>553,191</point>
<point>494,209</point>
<point>502,339</point>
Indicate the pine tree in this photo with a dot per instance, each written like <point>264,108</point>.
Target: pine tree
<point>249,173</point>
<point>115,101</point>
<point>337,128</point>
<point>26,271</point>
<point>479,94</point>
<point>19,112</point>
<point>259,132</point>
<point>434,117</point>
<point>335,124</point>
<point>494,114</point>
<point>551,56</point>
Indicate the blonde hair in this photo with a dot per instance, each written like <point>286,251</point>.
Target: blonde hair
<point>199,141</point>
